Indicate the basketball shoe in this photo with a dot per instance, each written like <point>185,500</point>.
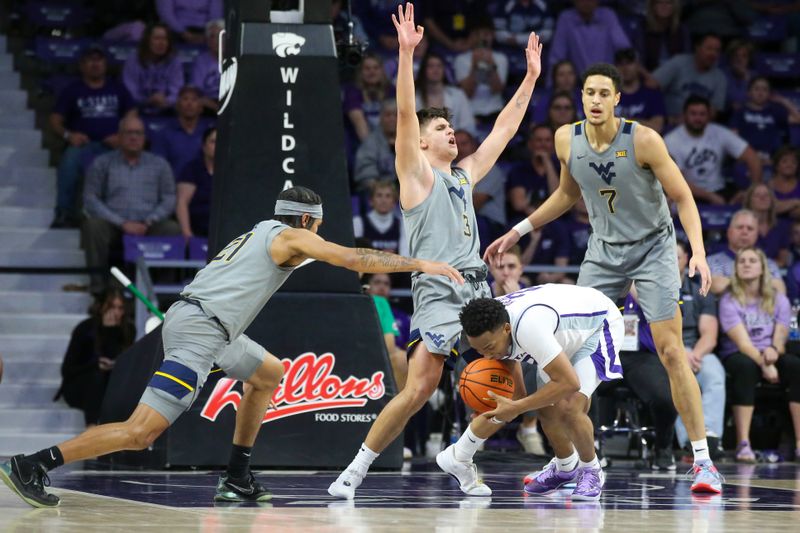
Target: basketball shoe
<point>549,479</point>
<point>464,472</point>
<point>589,484</point>
<point>241,490</point>
<point>706,478</point>
<point>28,479</point>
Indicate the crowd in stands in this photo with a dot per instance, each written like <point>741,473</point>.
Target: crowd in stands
<point>138,155</point>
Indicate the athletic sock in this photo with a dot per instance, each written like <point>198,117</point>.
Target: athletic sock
<point>567,464</point>
<point>239,463</point>
<point>467,445</point>
<point>363,459</point>
<point>593,464</point>
<point>49,457</point>
<point>700,450</point>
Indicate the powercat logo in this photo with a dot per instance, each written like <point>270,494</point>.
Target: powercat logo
<point>287,44</point>
<point>308,385</point>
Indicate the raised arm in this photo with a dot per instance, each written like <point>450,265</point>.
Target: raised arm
<point>412,168</point>
<point>509,119</point>
<point>652,152</point>
<point>301,244</point>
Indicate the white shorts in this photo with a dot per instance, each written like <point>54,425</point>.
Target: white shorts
<point>587,375</point>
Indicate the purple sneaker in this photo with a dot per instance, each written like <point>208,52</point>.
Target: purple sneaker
<point>549,480</point>
<point>589,484</point>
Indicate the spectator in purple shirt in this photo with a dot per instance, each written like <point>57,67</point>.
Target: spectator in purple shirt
<point>376,16</point>
<point>587,34</point>
<point>755,319</point>
<point>193,205</point>
<point>205,69</point>
<point>785,181</point>
<point>563,78</point>
<point>363,98</point>
<point>531,181</point>
<point>773,233</point>
<point>180,141</point>
<point>738,72</point>
<point>763,123</point>
<point>153,75</point>
<point>86,116</point>
<point>662,34</point>
<point>637,101</point>
<point>188,18</point>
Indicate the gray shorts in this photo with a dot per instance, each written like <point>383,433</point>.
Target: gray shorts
<point>651,262</point>
<point>193,342</point>
<point>437,302</point>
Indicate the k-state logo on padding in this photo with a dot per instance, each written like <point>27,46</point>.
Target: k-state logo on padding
<point>308,385</point>
<point>287,44</point>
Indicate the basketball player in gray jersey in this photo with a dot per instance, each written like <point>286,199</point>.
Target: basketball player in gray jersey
<point>622,169</point>
<point>205,327</point>
<point>440,223</point>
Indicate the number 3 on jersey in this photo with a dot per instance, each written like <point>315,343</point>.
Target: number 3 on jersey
<point>467,230</point>
<point>233,247</point>
<point>612,196</point>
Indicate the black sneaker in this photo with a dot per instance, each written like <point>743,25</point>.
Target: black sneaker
<point>241,490</point>
<point>715,450</point>
<point>664,461</point>
<point>28,480</point>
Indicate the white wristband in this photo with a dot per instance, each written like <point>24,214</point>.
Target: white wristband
<point>524,227</point>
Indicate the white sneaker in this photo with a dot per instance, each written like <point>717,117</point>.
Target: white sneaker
<point>465,473</point>
<point>531,442</point>
<point>346,484</point>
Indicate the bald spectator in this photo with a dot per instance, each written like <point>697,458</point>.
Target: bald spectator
<point>128,191</point>
<point>742,233</point>
<point>696,74</point>
<point>700,147</point>
<point>587,34</point>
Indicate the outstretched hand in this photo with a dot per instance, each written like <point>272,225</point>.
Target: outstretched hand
<point>494,252</point>
<point>533,53</point>
<point>408,34</point>
<point>435,268</point>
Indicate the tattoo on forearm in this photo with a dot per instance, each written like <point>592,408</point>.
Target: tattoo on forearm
<point>370,258</point>
<point>521,100</point>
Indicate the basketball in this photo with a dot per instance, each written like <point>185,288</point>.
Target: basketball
<point>480,377</point>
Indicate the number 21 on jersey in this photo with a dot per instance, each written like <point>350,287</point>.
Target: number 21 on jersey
<point>233,247</point>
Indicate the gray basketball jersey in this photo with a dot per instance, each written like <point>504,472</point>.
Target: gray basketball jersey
<point>443,226</point>
<point>625,201</point>
<point>236,284</point>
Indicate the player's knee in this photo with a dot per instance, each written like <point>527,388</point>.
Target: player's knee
<point>268,376</point>
<point>672,356</point>
<point>416,394</point>
<point>140,437</point>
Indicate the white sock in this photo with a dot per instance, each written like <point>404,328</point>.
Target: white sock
<point>528,430</point>
<point>593,464</point>
<point>700,449</point>
<point>467,445</point>
<point>568,464</point>
<point>363,459</point>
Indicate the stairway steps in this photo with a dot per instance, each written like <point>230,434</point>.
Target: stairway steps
<point>37,239</point>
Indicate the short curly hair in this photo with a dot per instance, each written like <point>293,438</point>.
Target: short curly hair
<point>482,315</point>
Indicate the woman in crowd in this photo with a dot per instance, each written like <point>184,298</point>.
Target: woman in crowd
<point>95,344</point>
<point>773,233</point>
<point>193,204</point>
<point>434,90</point>
<point>363,98</point>
<point>755,319</point>
<point>563,78</point>
<point>785,182</point>
<point>153,75</point>
<point>561,110</point>
<point>662,35</point>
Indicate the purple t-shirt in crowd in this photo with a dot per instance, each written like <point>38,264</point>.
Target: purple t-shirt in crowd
<point>794,193</point>
<point>142,81</point>
<point>522,174</point>
<point>94,112</point>
<point>776,239</point>
<point>553,243</point>
<point>177,146</point>
<point>759,324</point>
<point>764,129</point>
<point>182,14</point>
<point>353,98</point>
<point>586,43</point>
<point>644,104</point>
<point>195,172</point>
<point>205,75</point>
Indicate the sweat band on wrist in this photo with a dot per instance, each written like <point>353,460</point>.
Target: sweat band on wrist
<point>524,227</point>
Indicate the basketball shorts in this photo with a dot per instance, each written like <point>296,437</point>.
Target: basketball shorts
<point>651,263</point>
<point>437,303</point>
<point>193,342</point>
<point>598,359</point>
